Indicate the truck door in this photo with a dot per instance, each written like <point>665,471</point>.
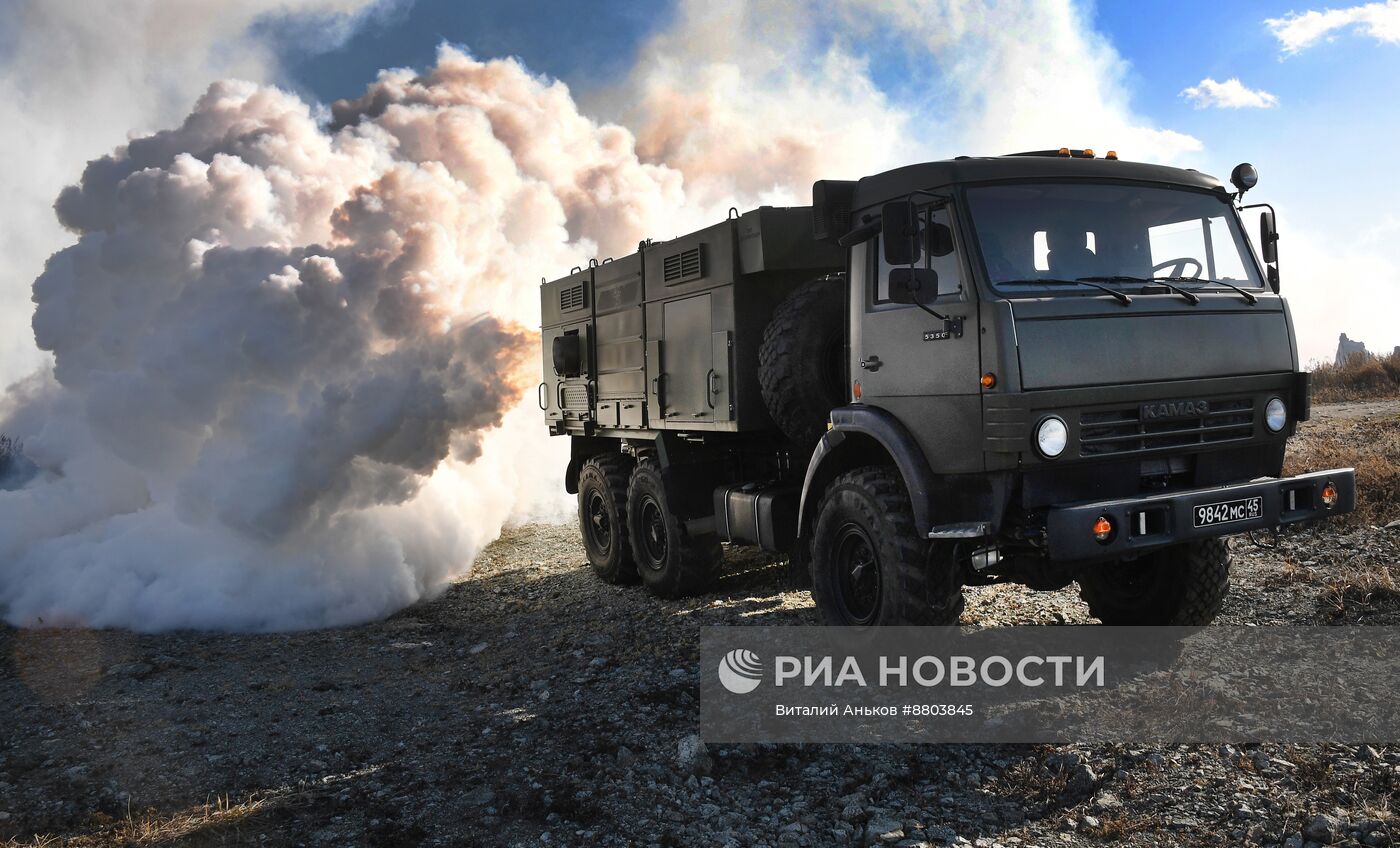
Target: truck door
<point>904,359</point>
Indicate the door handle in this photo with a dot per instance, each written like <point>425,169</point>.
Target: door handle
<point>871,363</point>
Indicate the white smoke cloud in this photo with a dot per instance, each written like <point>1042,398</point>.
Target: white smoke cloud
<point>1003,77</point>
<point>77,76</point>
<point>747,101</point>
<point>284,351</point>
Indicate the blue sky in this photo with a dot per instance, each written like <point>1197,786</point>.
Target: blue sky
<point>1169,46</point>
<point>1322,149</point>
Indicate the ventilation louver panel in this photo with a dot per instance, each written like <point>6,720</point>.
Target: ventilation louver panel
<point>571,298</point>
<point>683,266</point>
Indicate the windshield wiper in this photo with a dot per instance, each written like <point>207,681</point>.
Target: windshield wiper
<point>1246,295</point>
<point>1120,296</point>
<point>1124,278</point>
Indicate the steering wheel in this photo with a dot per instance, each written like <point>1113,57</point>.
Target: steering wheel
<point>1178,267</point>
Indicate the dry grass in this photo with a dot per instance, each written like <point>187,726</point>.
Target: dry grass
<point>1372,447</point>
<point>1362,378</point>
<point>1364,588</point>
<point>214,823</point>
<point>1354,588</point>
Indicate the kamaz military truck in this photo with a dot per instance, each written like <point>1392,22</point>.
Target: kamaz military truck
<point>1043,368</point>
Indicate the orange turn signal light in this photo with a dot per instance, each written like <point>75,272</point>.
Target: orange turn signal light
<point>855,389</point>
<point>1103,528</point>
<point>989,380</point>
<point>1329,495</point>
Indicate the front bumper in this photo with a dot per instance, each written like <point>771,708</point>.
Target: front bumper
<point>1147,522</point>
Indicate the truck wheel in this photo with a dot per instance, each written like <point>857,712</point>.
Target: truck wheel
<point>869,566</point>
<point>801,368</point>
<point>602,517</point>
<point>671,562</point>
<point>1183,585</point>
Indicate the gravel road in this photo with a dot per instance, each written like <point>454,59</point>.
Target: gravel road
<point>533,705</point>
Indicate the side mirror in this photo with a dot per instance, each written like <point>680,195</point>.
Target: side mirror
<point>900,223</point>
<point>1268,246</point>
<point>1268,236</point>
<point>913,285</point>
<point>568,355</point>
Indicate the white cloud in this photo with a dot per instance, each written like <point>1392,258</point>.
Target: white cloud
<point>1299,30</point>
<point>1230,94</point>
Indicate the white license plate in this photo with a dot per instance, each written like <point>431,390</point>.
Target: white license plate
<point>1227,512</point>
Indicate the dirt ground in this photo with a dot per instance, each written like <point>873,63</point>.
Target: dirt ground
<point>531,704</point>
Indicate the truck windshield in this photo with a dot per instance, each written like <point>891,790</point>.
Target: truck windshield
<point>1033,235</point>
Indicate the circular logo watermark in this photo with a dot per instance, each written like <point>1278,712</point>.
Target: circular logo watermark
<point>740,671</point>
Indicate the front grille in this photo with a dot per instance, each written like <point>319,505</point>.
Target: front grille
<point>1118,431</point>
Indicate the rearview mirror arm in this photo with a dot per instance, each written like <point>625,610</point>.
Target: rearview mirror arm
<point>925,307</point>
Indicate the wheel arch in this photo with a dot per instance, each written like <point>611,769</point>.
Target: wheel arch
<point>862,435</point>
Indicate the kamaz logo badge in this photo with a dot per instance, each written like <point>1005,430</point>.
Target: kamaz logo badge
<point>1169,409</point>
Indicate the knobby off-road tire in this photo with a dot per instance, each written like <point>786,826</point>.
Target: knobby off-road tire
<point>602,516</point>
<point>672,563</point>
<point>800,363</point>
<point>1182,585</point>
<point>869,566</point>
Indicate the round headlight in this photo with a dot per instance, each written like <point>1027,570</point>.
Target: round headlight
<point>1051,437</point>
<point>1276,414</point>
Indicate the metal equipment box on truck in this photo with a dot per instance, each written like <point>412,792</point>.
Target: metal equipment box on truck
<point>1042,368</point>
<point>667,338</point>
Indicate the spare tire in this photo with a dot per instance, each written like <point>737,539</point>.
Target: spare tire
<point>801,363</point>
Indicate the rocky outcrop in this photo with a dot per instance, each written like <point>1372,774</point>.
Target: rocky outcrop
<point>1347,348</point>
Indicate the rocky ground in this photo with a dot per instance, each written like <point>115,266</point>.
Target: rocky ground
<point>533,705</point>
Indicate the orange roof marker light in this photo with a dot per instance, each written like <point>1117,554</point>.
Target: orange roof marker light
<point>1112,154</point>
<point>1064,151</point>
<point>1088,153</point>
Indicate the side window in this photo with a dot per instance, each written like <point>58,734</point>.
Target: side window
<point>1228,258</point>
<point>935,251</point>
